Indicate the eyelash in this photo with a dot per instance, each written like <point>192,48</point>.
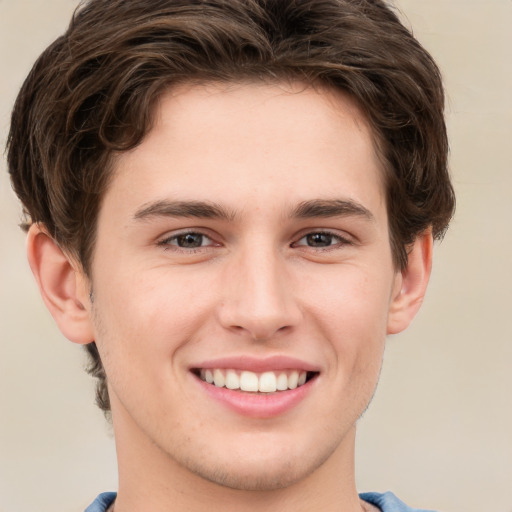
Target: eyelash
<point>167,243</point>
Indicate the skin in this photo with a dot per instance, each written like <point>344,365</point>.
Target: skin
<point>257,286</point>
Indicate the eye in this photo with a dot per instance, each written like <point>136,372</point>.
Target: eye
<point>321,240</point>
<point>189,240</point>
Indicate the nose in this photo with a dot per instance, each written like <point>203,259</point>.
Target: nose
<point>258,299</point>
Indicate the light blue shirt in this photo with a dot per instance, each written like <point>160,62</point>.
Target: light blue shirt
<point>387,502</point>
<point>102,502</point>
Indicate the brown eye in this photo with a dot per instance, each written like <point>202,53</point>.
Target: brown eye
<point>190,240</point>
<point>320,239</point>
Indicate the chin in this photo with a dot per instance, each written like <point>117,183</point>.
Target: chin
<point>252,479</point>
<point>256,472</point>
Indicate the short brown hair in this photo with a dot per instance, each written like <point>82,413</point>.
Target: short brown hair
<point>92,92</point>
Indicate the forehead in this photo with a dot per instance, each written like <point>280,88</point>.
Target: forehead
<point>249,141</point>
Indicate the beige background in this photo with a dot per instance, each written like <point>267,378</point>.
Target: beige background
<point>439,433</point>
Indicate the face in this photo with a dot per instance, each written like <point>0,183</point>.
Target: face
<point>242,280</point>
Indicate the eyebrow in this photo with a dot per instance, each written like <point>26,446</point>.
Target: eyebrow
<point>316,208</point>
<point>331,208</point>
<point>197,209</point>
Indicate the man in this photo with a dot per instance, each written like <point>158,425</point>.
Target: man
<point>231,204</point>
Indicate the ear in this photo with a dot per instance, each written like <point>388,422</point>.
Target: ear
<point>63,285</point>
<point>411,284</point>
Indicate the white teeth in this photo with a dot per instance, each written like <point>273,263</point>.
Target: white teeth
<point>293,379</point>
<point>232,380</point>
<point>282,382</point>
<point>266,382</point>
<point>248,381</point>
<point>218,378</point>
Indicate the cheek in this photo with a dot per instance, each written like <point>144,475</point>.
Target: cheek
<point>350,310</point>
<point>150,315</point>
<point>351,300</point>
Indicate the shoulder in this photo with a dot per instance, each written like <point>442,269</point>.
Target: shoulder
<point>102,502</point>
<point>388,502</point>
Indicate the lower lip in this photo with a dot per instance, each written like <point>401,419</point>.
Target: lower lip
<point>258,405</point>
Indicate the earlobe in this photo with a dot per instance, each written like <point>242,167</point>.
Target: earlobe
<point>62,285</point>
<point>411,284</point>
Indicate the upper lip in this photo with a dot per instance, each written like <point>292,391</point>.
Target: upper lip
<point>258,365</point>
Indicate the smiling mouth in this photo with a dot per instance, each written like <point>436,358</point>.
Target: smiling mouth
<point>252,382</point>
